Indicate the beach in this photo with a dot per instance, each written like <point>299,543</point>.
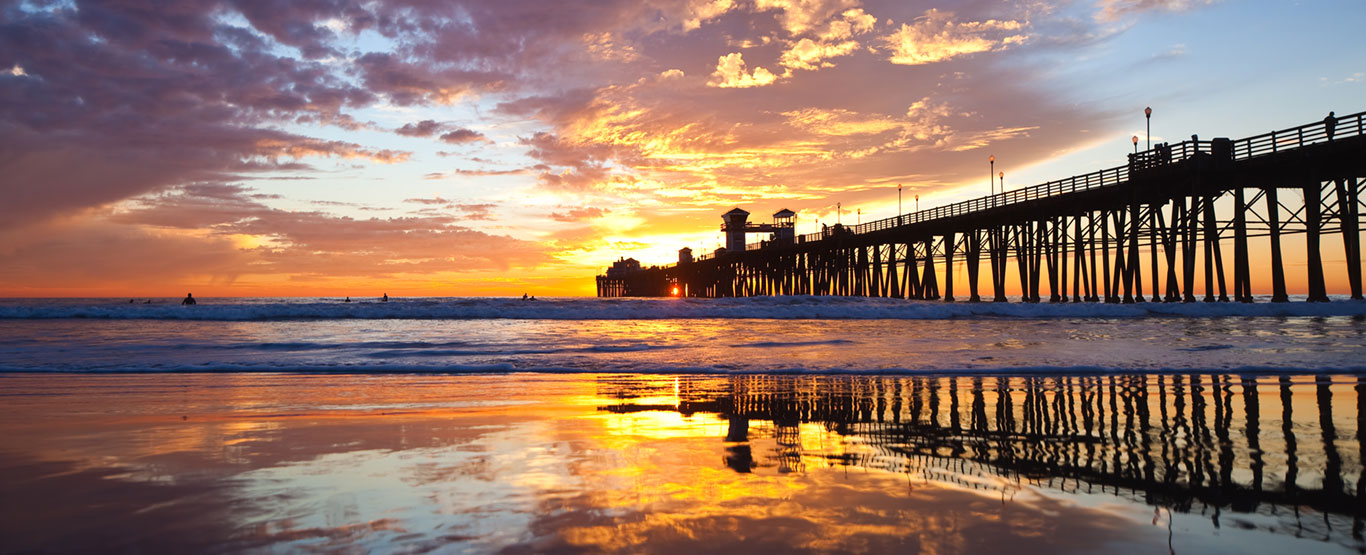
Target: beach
<point>820,425</point>
<point>633,463</point>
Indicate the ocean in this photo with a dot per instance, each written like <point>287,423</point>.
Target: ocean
<point>744,335</point>
<point>801,424</point>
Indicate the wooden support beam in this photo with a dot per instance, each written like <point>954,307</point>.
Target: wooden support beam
<point>1242,274</point>
<point>1036,241</point>
<point>877,282</point>
<point>949,246</point>
<point>1061,241</point>
<point>1078,259</point>
<point>1135,273</point>
<point>1122,273</point>
<point>892,281</point>
<point>1022,234</point>
<point>1313,222</point>
<point>1349,220</point>
<point>1104,256</point>
<point>974,239</point>
<point>1188,248</point>
<point>994,247</point>
<point>1273,217</point>
<point>1053,246</point>
<point>1092,292</point>
<point>913,287</point>
<point>1168,234</point>
<point>1153,211</point>
<point>931,281</point>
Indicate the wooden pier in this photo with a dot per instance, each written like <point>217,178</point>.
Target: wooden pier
<point>1097,237</point>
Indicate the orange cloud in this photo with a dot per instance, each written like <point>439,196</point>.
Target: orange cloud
<point>731,73</point>
<point>935,37</point>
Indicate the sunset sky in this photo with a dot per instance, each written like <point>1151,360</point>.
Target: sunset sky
<point>340,147</point>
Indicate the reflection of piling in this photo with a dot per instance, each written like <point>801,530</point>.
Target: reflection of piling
<point>1177,441</point>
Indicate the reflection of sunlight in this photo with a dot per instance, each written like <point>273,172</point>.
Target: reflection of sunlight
<point>552,463</point>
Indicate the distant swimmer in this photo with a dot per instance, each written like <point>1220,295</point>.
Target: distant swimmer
<point>148,301</point>
<point>189,299</point>
<point>130,301</point>
<point>385,298</point>
<point>524,297</point>
<point>348,299</point>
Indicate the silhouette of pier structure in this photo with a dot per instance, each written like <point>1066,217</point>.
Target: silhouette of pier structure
<point>1167,216</point>
<point>1288,448</point>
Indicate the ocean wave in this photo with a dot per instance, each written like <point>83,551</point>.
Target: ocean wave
<point>796,307</point>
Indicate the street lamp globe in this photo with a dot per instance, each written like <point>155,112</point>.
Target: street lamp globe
<point>1148,114</point>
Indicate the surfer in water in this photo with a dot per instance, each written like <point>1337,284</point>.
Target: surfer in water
<point>385,298</point>
<point>189,299</point>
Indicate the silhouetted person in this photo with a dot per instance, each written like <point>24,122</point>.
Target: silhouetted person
<point>148,301</point>
<point>524,296</point>
<point>189,299</point>
<point>130,301</point>
<point>1330,125</point>
<point>385,298</point>
<point>348,299</point>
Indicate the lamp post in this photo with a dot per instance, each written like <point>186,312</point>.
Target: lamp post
<point>992,173</point>
<point>898,203</point>
<point>1003,182</point>
<point>860,217</point>
<point>1148,116</point>
<point>917,202</point>
<point>839,211</point>
<point>1135,144</point>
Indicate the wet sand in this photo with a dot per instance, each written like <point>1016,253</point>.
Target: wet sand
<point>636,463</point>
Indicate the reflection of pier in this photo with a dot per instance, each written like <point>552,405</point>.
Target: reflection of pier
<point>1192,443</point>
<point>1167,217</point>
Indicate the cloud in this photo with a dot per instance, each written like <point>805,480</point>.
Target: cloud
<point>699,11</point>
<point>463,136</point>
<point>108,257</point>
<point>810,54</point>
<point>579,214</point>
<point>478,173</point>
<point>317,243</point>
<point>797,16</point>
<point>935,37</point>
<point>731,73</point>
<point>424,128</point>
<point>121,101</point>
<point>1115,10</point>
